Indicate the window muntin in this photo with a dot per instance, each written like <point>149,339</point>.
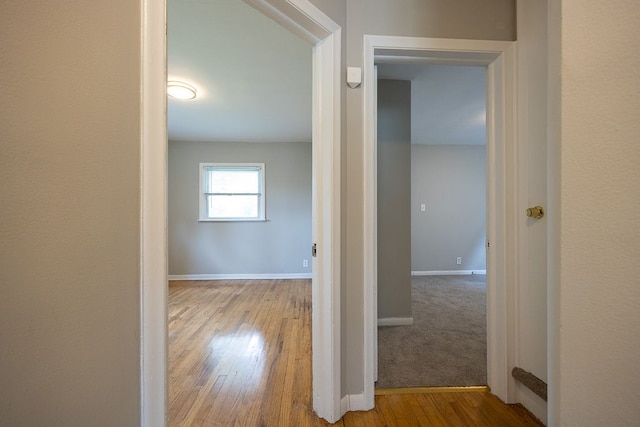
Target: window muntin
<point>232,192</point>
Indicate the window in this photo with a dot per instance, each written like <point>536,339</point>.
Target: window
<point>232,192</point>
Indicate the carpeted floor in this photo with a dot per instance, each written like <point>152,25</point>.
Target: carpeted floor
<point>447,343</point>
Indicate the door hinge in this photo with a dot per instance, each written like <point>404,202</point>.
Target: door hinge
<point>314,250</point>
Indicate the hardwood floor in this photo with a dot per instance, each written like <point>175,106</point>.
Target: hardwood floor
<point>240,355</point>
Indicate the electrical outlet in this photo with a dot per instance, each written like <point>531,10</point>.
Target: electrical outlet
<point>305,263</point>
<point>459,260</point>
<point>423,207</point>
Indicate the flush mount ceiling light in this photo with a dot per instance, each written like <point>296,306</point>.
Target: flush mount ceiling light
<point>180,90</point>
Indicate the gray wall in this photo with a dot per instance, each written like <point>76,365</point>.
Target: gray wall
<point>69,313</point>
<point>394,198</point>
<point>450,180</point>
<point>594,183</point>
<point>69,203</point>
<point>82,317</point>
<point>276,246</point>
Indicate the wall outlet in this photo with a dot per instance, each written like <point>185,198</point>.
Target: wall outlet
<point>459,260</point>
<point>423,207</point>
<point>305,263</point>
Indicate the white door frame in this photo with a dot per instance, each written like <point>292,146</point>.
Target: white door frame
<point>499,57</point>
<point>308,22</point>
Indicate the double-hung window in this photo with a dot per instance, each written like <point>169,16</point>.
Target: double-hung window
<point>232,192</point>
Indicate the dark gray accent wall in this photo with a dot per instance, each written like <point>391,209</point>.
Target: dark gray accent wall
<point>275,246</point>
<point>394,198</point>
<point>450,180</point>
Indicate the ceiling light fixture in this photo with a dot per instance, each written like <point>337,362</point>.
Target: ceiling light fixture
<point>180,90</point>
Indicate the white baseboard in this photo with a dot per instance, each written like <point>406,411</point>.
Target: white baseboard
<point>239,276</point>
<point>447,272</point>
<point>344,405</point>
<point>531,401</point>
<point>356,402</point>
<point>395,321</point>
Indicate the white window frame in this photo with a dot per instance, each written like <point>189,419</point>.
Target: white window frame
<point>202,215</point>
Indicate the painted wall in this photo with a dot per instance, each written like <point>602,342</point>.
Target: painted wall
<point>69,203</point>
<point>492,20</point>
<point>462,19</point>
<point>593,291</point>
<point>451,181</point>
<point>70,313</point>
<point>275,246</point>
<point>394,198</point>
<point>449,106</point>
<point>335,9</point>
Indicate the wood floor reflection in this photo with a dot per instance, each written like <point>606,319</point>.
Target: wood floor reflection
<point>240,355</point>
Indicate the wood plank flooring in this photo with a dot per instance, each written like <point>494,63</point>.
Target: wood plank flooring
<point>240,355</point>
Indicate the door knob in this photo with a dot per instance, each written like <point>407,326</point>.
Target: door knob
<point>536,212</point>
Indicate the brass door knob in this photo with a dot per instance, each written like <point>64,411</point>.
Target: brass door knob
<point>536,212</point>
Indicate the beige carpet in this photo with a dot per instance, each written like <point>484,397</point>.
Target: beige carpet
<point>446,345</point>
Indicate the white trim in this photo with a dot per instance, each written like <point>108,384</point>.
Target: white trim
<point>344,404</point>
<point>375,221</point>
<point>447,272</point>
<point>315,17</point>
<point>520,392</point>
<point>499,58</point>
<point>326,157</point>
<point>267,276</point>
<point>399,59</point>
<point>502,187</point>
<point>303,18</point>
<point>283,19</point>
<point>534,403</point>
<point>395,321</point>
<point>353,402</point>
<point>153,216</point>
<point>358,402</point>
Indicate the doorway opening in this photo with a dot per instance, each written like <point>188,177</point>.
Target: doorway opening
<point>239,216</point>
<point>324,35</point>
<point>499,60</point>
<point>431,142</point>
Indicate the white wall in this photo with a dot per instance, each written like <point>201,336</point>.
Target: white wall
<point>275,247</point>
<point>594,213</point>
<point>451,181</point>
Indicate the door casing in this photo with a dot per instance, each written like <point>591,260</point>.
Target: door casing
<point>304,19</point>
<point>499,58</point>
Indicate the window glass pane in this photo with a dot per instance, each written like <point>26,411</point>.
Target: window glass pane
<point>232,206</point>
<point>233,181</point>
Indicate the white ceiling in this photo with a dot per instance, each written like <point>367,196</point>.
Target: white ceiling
<point>254,82</point>
<point>447,102</point>
<point>253,76</point>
